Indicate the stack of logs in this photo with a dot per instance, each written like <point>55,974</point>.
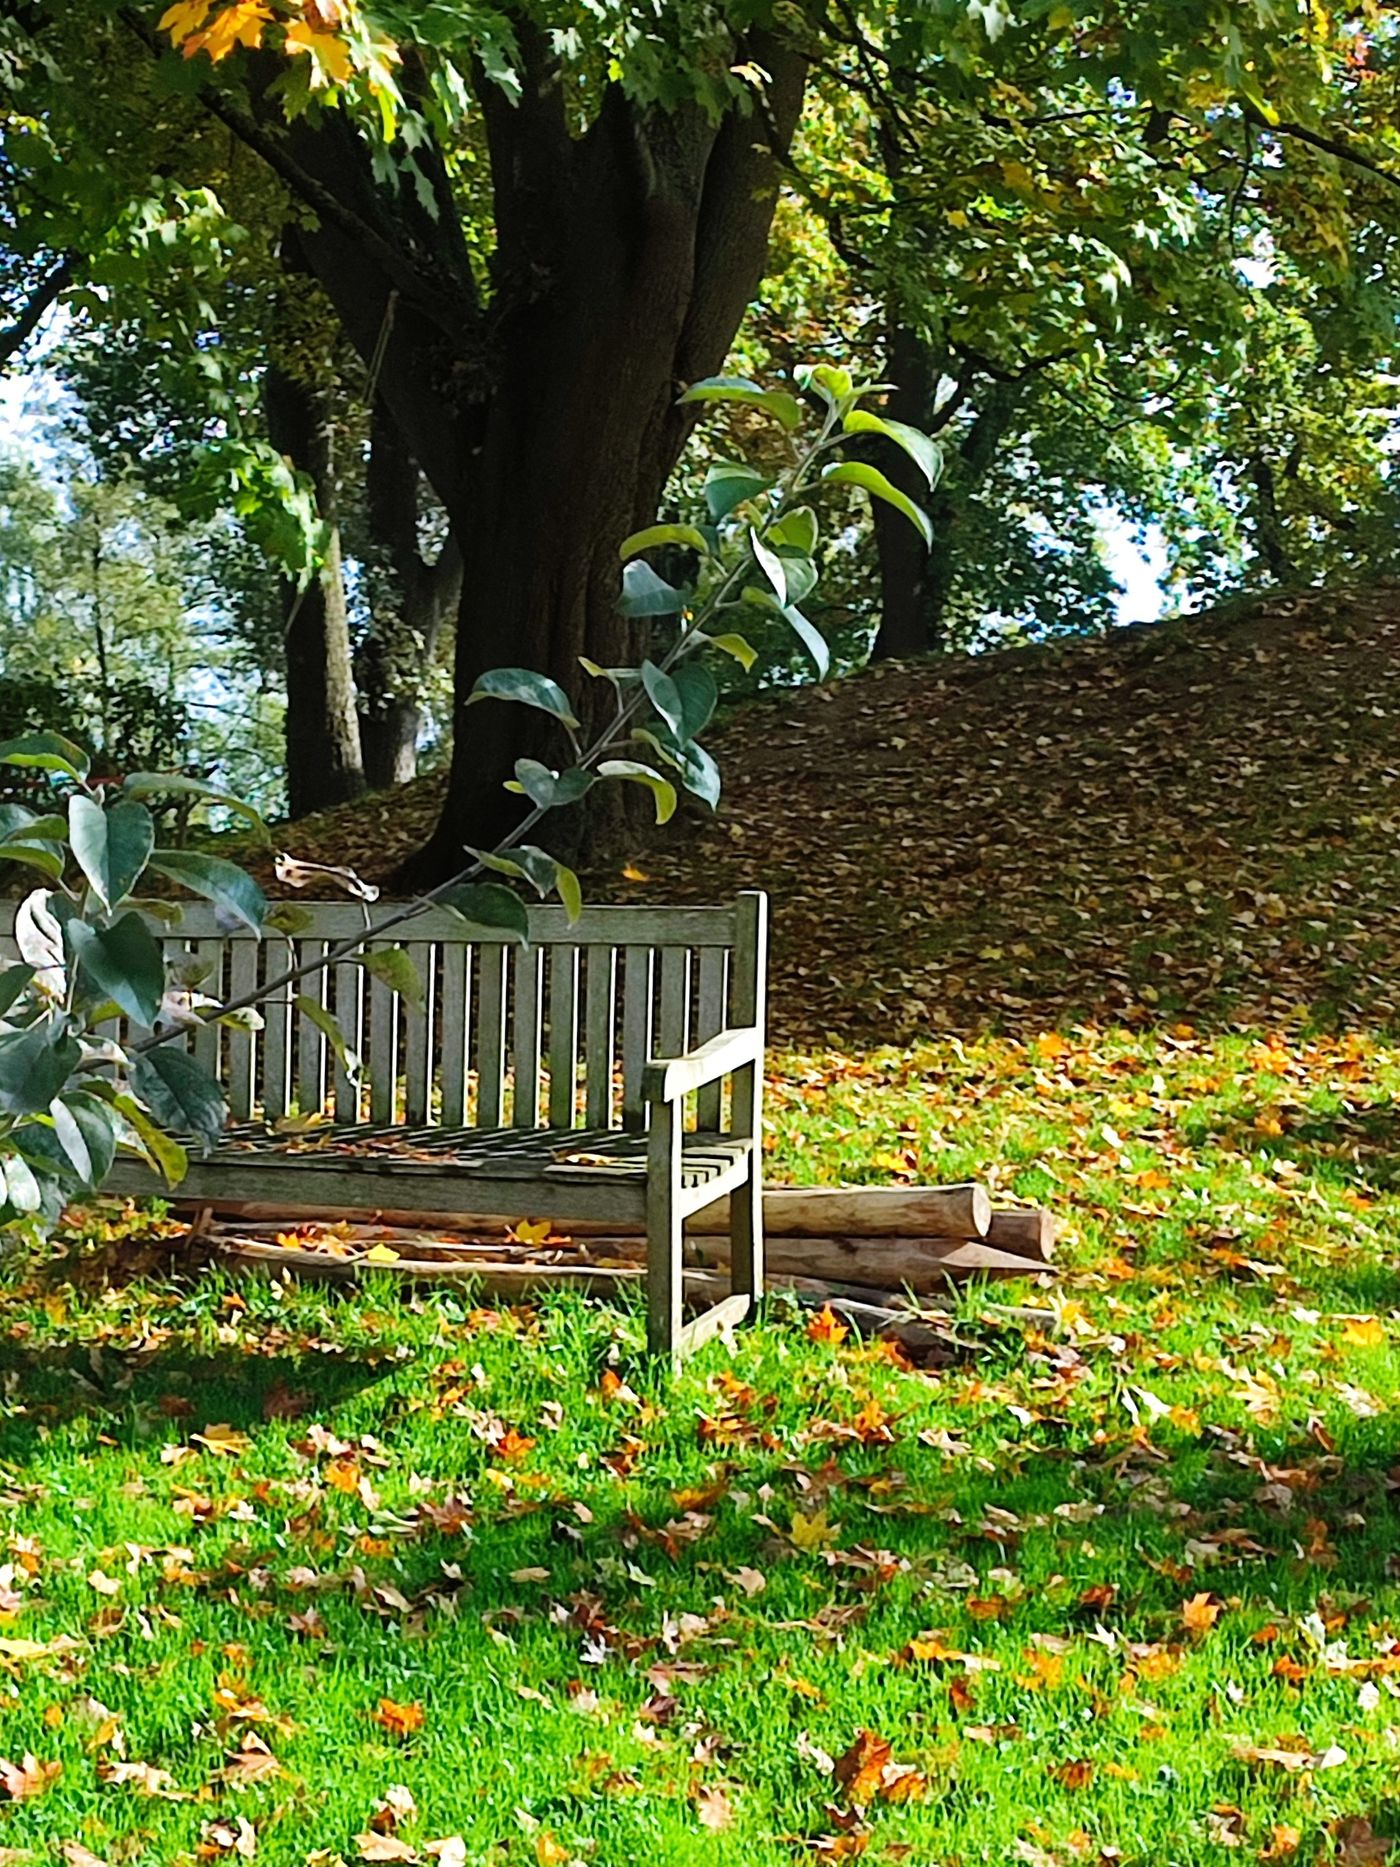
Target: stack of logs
<point>863,1250</point>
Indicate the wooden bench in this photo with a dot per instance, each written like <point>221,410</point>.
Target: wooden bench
<point>612,1069</point>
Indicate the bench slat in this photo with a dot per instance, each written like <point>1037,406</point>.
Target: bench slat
<point>490,1034</point>
<point>418,1037</point>
<point>311,1046</point>
<point>453,1014</point>
<point>710,1020</point>
<point>243,977</point>
<point>525,1060</point>
<point>563,1036</point>
<point>350,1016</point>
<point>599,1010</point>
<point>637,988</point>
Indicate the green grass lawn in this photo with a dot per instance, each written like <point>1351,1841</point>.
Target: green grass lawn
<point>1125,1589</point>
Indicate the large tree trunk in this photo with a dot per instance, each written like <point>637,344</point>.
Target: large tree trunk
<point>409,599</point>
<point>624,259</point>
<point>322,730</point>
<point>913,578</point>
<point>916,585</point>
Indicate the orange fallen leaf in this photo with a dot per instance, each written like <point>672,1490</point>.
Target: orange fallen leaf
<point>399,1720</point>
<point>1199,1614</point>
<point>826,1326</point>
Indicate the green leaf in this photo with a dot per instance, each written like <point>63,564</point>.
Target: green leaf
<point>40,856</point>
<point>795,531</point>
<point>920,447</point>
<point>326,1024</point>
<point>635,773</point>
<point>490,905</point>
<point>729,483</point>
<point>39,830</point>
<point>830,382</point>
<point>620,677</point>
<point>526,687</point>
<point>35,1064</point>
<point>176,784</point>
<point>221,882</point>
<point>800,575</point>
<point>73,1141</point>
<point>13,981</point>
<point>22,1190</point>
<point>96,1123</point>
<point>770,564</point>
<point>688,535</point>
<point>811,639</point>
<point>162,1150</point>
<point>737,648</point>
<point>699,695</point>
<point>46,752</point>
<point>570,891</point>
<point>16,817</point>
<point>646,594</point>
<point>179,1092</point>
<point>111,846</point>
<point>872,481</point>
<point>783,406</point>
<point>123,962</point>
<point>664,696</point>
<point>550,789</point>
<point>393,967</point>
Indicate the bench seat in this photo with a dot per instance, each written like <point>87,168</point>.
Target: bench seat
<point>579,1173</point>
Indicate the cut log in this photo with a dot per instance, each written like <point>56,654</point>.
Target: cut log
<point>963,1211</point>
<point>1031,1234</point>
<point>920,1264</point>
<point>956,1212</point>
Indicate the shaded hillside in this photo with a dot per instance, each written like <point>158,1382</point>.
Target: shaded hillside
<point>1193,822</point>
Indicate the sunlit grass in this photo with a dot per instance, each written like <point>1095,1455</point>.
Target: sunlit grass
<point>1076,1580</point>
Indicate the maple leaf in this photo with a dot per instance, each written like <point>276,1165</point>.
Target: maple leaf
<point>1284,1841</point>
<point>1075,1775</point>
<point>28,1778</point>
<point>713,1808</point>
<point>861,1769</point>
<point>398,1720</point>
<point>76,1855</point>
<point>1358,1843</point>
<point>184,18</point>
<point>549,1852</point>
<point>811,1533</point>
<point>1199,1614</point>
<point>826,1326</point>
<point>372,1846</point>
<point>1363,1332</point>
<point>240,23</point>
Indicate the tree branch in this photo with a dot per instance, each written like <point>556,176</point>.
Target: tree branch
<point>18,332</point>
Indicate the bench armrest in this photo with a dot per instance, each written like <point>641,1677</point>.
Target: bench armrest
<point>667,1079</point>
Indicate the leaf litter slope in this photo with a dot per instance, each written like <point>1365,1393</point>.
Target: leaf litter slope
<point>1194,820</point>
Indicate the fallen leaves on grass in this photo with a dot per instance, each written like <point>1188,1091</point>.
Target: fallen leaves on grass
<point>398,1720</point>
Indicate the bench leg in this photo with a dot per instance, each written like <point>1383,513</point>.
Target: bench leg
<point>746,1205</point>
<point>665,1286</point>
<point>746,1234</point>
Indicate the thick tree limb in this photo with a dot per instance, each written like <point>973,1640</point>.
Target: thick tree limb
<point>22,327</point>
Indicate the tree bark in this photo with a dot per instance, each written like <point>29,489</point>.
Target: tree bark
<point>624,259</point>
<point>409,599</point>
<point>916,585</point>
<point>322,730</point>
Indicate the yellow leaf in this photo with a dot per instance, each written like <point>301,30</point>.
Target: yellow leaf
<point>1364,1332</point>
<point>531,1231</point>
<point>184,18</point>
<point>239,24</point>
<point>810,1533</point>
<point>329,54</point>
<point>380,1254</point>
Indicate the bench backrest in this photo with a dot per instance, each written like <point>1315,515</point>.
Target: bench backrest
<point>556,1033</point>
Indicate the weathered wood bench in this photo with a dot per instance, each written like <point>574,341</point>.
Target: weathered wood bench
<point>611,1069</point>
